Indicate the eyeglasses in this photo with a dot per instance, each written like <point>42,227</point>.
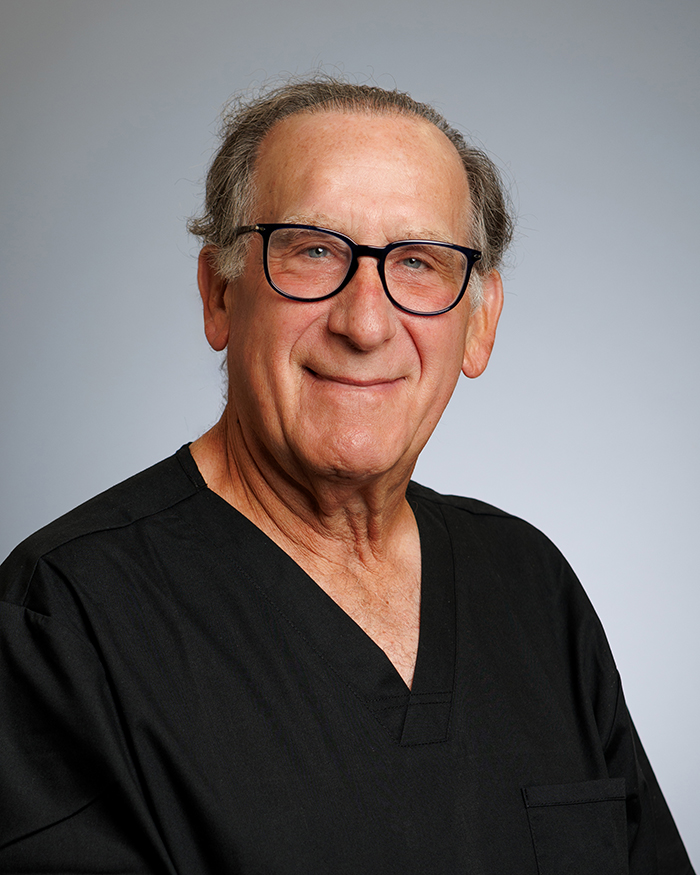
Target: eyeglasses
<point>305,263</point>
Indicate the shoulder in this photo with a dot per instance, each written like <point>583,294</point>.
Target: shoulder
<point>510,557</point>
<point>481,519</point>
<point>508,570</point>
<point>139,498</point>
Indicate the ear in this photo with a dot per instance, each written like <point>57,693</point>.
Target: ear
<point>212,288</point>
<point>481,328</point>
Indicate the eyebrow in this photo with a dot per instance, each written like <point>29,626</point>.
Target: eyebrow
<point>320,220</point>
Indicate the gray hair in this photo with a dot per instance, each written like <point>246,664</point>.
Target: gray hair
<point>230,186</point>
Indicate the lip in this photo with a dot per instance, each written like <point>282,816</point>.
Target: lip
<point>354,382</point>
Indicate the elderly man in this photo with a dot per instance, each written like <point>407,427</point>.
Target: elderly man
<point>272,652</point>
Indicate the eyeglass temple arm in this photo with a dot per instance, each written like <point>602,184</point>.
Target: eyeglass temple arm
<point>246,229</point>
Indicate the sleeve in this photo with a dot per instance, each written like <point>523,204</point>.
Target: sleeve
<point>68,797</point>
<point>655,845</point>
<point>671,854</point>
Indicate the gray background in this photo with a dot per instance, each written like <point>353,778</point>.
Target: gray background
<point>586,420</point>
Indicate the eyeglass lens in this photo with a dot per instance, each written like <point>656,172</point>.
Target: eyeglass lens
<point>309,263</point>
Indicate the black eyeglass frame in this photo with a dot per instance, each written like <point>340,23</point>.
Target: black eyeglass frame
<point>358,250</point>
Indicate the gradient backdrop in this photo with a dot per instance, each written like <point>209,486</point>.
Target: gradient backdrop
<point>586,421</point>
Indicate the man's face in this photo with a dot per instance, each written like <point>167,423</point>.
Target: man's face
<point>349,387</point>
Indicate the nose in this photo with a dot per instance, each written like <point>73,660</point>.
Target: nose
<point>362,313</point>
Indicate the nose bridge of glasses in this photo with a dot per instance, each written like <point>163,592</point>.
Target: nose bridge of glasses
<point>377,252</point>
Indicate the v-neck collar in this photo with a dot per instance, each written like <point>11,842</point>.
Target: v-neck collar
<point>420,715</point>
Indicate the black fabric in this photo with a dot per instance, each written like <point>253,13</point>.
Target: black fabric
<point>178,696</point>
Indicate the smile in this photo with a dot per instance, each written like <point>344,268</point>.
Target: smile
<point>355,382</point>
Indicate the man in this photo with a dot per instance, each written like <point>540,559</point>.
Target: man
<point>271,652</point>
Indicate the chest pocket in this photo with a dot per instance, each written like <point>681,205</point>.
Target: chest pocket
<point>579,829</point>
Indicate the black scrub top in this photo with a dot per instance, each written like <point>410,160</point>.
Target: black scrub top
<point>178,696</point>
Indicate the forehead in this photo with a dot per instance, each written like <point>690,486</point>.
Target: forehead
<point>364,168</point>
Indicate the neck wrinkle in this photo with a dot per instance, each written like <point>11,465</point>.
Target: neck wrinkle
<point>331,525</point>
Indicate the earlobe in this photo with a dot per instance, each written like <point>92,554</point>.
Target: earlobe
<point>481,328</point>
<point>212,289</point>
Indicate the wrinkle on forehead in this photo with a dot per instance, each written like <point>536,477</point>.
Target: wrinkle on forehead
<point>321,220</point>
<point>428,160</point>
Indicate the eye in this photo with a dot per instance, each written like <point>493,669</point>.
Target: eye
<point>318,252</point>
<point>413,263</point>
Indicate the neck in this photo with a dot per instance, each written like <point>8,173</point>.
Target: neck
<point>313,512</point>
<point>358,542</point>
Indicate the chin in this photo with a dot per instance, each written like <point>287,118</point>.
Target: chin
<point>358,457</point>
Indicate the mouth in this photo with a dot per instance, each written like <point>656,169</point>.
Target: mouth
<point>354,382</point>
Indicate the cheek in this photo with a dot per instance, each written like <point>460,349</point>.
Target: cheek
<point>440,346</point>
<point>268,343</point>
